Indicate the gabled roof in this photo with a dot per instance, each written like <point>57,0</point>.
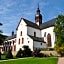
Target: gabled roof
<point>39,39</point>
<point>42,26</point>
<point>48,24</point>
<point>11,37</point>
<point>29,23</point>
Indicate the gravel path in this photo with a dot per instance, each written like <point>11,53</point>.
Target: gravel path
<point>61,60</point>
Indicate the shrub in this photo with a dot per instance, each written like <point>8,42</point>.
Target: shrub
<point>9,54</point>
<point>27,52</point>
<point>19,53</point>
<point>0,55</point>
<point>37,53</point>
<point>60,50</point>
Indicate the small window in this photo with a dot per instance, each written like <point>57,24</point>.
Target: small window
<point>28,41</point>
<point>19,41</point>
<point>22,40</point>
<point>41,43</point>
<point>21,33</point>
<point>45,34</point>
<point>34,34</point>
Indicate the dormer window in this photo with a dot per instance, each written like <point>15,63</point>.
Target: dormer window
<point>34,34</point>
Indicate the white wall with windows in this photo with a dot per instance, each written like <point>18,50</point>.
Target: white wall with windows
<point>31,30</point>
<point>45,32</point>
<point>39,45</point>
<point>22,37</point>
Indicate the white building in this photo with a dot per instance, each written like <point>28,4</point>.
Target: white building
<point>35,35</point>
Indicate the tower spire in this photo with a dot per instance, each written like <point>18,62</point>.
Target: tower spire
<point>38,10</point>
<point>38,5</point>
<point>38,17</point>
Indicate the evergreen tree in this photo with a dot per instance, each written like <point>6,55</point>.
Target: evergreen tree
<point>19,53</point>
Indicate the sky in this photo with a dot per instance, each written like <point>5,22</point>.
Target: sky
<point>11,11</point>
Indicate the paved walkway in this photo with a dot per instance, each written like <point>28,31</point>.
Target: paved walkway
<point>61,60</point>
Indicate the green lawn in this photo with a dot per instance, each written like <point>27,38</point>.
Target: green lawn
<point>32,61</point>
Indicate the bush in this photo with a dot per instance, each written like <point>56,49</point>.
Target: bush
<point>37,53</point>
<point>60,50</point>
<point>19,53</point>
<point>27,52</point>
<point>0,55</point>
<point>9,54</point>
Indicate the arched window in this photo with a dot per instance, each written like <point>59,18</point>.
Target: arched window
<point>22,40</point>
<point>34,34</point>
<point>19,41</point>
<point>49,40</point>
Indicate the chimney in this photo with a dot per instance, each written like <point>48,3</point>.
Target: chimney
<point>12,33</point>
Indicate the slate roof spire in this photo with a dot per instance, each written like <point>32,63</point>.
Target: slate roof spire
<point>38,17</point>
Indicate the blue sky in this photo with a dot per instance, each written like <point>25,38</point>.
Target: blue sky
<point>12,10</point>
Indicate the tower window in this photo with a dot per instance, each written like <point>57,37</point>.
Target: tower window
<point>22,40</point>
<point>41,43</point>
<point>34,34</point>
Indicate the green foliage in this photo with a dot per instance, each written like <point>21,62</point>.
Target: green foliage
<point>27,52</point>
<point>0,24</point>
<point>9,54</point>
<point>19,53</point>
<point>0,30</point>
<point>2,38</point>
<point>59,33</point>
<point>0,55</point>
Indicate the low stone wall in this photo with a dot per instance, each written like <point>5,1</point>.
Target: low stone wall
<point>54,53</point>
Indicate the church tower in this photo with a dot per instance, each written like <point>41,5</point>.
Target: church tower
<point>38,17</point>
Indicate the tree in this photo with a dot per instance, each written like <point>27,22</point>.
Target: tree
<point>2,37</point>
<point>0,30</point>
<point>0,55</point>
<point>9,54</point>
<point>19,53</point>
<point>27,51</point>
<point>59,34</point>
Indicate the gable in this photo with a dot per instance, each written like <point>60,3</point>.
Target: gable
<point>21,22</point>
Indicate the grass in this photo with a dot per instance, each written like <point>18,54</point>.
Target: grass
<point>51,60</point>
<point>3,56</point>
